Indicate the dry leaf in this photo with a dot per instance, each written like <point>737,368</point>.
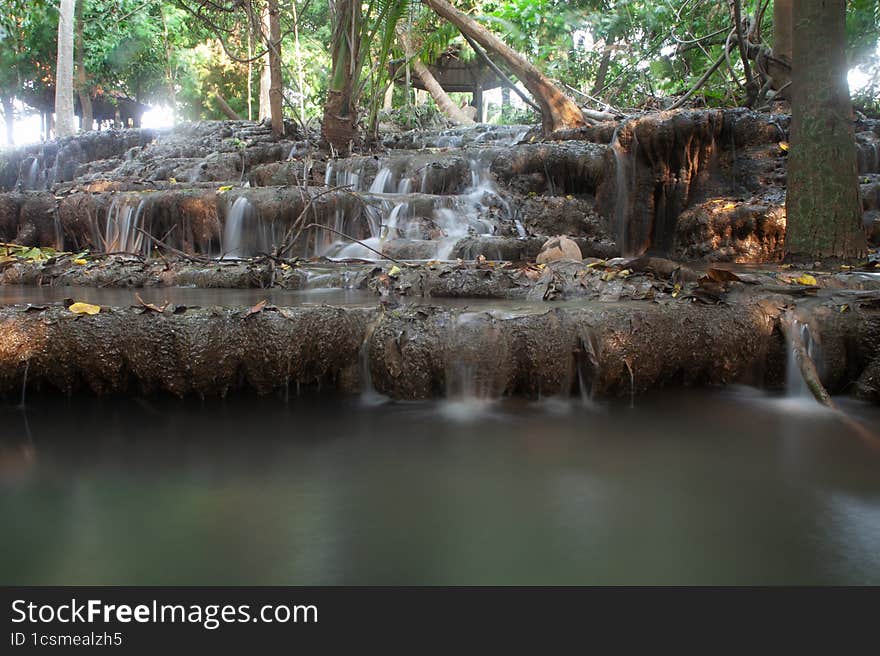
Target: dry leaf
<point>84,308</point>
<point>721,275</point>
<point>257,308</point>
<point>150,306</point>
<point>807,279</point>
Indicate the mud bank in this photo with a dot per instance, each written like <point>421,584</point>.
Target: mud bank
<point>417,352</point>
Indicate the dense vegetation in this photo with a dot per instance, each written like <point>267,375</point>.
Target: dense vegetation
<point>194,54</point>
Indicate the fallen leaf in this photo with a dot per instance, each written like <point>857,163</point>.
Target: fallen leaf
<point>150,306</point>
<point>729,206</point>
<point>257,308</point>
<point>844,308</point>
<point>394,271</point>
<point>783,145</point>
<point>224,189</point>
<point>721,275</point>
<point>84,308</point>
<point>80,261</point>
<point>806,279</point>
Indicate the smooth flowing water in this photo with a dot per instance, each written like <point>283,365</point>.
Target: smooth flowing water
<point>686,488</point>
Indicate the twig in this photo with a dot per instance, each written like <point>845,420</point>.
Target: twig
<point>681,101</point>
<point>287,242</point>
<point>357,241</point>
<point>159,242</point>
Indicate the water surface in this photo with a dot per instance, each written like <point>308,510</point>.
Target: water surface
<point>685,488</point>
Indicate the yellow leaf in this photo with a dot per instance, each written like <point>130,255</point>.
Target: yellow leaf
<point>844,308</point>
<point>624,273</point>
<point>172,180</point>
<point>394,271</point>
<point>80,261</point>
<point>224,189</point>
<point>729,206</point>
<point>806,279</point>
<point>84,308</point>
<point>285,266</point>
<point>783,145</point>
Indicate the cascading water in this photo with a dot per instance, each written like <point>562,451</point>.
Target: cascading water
<point>795,386</point>
<point>434,223</point>
<point>239,224</point>
<point>29,177</point>
<point>476,355</point>
<point>623,161</point>
<point>124,228</point>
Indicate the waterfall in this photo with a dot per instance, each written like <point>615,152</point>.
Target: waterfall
<point>125,220</point>
<point>235,232</point>
<point>435,223</point>
<point>795,386</point>
<point>383,177</point>
<point>621,199</point>
<point>29,177</point>
<point>476,365</point>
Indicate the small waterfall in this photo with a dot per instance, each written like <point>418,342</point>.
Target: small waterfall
<point>622,195</point>
<point>29,176</point>
<point>125,221</point>
<point>383,177</point>
<point>239,227</point>
<point>795,386</point>
<point>477,365</point>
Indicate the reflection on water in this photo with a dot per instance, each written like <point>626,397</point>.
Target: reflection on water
<point>687,487</point>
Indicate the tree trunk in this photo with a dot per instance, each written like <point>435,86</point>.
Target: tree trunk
<point>823,207</point>
<point>169,71</point>
<point>224,106</point>
<point>276,107</point>
<point>558,112</point>
<point>64,121</point>
<point>264,111</point>
<point>782,35</point>
<point>82,87</point>
<point>339,126</point>
<point>602,73</point>
<point>444,102</point>
<point>9,116</point>
<point>300,76</point>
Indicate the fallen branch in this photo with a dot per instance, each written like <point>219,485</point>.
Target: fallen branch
<point>159,242</point>
<point>287,243</point>
<point>357,241</point>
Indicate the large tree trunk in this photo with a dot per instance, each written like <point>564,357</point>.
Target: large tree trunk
<point>169,71</point>
<point>276,107</point>
<point>823,207</point>
<point>339,126</point>
<point>64,121</point>
<point>264,111</point>
<point>444,102</point>
<point>82,87</point>
<point>558,112</point>
<point>782,35</point>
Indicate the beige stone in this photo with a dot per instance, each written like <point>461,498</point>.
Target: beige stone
<point>559,248</point>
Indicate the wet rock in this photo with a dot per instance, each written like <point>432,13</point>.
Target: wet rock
<point>559,248</point>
